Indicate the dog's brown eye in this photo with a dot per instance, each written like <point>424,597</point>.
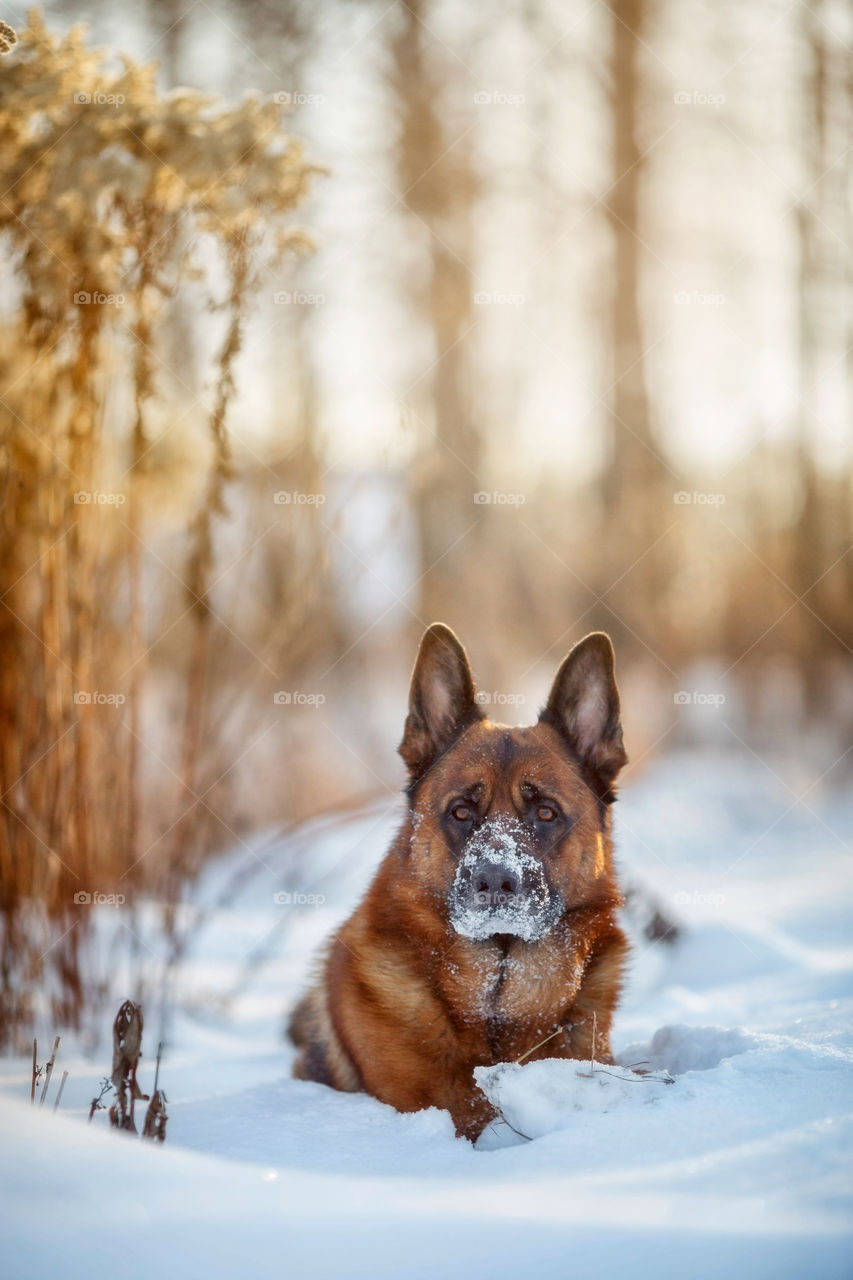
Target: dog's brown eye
<point>461,812</point>
<point>546,813</point>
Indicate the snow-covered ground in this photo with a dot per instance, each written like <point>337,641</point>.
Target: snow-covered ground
<point>741,1167</point>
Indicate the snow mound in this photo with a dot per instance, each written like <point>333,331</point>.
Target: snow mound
<point>678,1049</point>
<point>536,1098</point>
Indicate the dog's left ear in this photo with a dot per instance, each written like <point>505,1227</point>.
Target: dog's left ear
<point>442,701</point>
<point>584,705</point>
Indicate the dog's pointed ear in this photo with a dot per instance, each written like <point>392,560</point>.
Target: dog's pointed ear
<point>442,700</point>
<point>584,705</point>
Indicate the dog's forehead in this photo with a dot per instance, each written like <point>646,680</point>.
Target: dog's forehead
<point>500,756</point>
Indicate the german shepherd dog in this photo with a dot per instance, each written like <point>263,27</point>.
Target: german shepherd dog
<point>489,932</point>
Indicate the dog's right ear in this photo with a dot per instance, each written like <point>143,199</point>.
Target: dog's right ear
<point>442,700</point>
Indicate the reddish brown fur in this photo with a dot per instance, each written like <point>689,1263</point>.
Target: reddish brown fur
<point>405,1007</point>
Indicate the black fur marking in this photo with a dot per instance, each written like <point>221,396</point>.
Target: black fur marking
<point>316,1064</point>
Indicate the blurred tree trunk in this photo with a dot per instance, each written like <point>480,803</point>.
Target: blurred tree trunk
<point>436,185</point>
<point>847,237</point>
<point>167,27</point>
<point>820,217</point>
<point>634,486</point>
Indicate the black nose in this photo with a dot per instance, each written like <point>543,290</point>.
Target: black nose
<point>493,879</point>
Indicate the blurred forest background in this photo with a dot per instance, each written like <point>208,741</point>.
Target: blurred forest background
<point>534,318</point>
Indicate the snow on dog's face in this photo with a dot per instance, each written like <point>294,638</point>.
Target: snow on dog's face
<point>501,886</point>
<point>510,826</point>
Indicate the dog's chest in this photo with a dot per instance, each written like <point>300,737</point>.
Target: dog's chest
<point>504,998</point>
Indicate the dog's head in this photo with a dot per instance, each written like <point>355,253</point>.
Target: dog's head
<point>509,826</point>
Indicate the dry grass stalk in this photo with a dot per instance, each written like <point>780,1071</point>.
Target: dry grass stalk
<point>49,1071</point>
<point>127,1050</point>
<point>240,248</point>
<point>588,1075</point>
<point>94,200</point>
<point>540,1044</point>
<point>61,1087</point>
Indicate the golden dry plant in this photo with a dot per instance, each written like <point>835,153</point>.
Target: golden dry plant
<point>8,37</point>
<point>112,196</point>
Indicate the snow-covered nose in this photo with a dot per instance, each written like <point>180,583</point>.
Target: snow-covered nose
<point>500,886</point>
<point>494,879</point>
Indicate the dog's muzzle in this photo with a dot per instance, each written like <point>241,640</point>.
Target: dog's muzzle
<point>500,887</point>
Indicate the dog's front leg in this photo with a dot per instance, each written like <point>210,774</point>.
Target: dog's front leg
<point>470,1110</point>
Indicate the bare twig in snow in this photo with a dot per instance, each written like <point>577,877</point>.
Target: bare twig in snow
<point>61,1087</point>
<point>49,1072</point>
<point>157,1068</point>
<point>638,1077</point>
<point>106,1085</point>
